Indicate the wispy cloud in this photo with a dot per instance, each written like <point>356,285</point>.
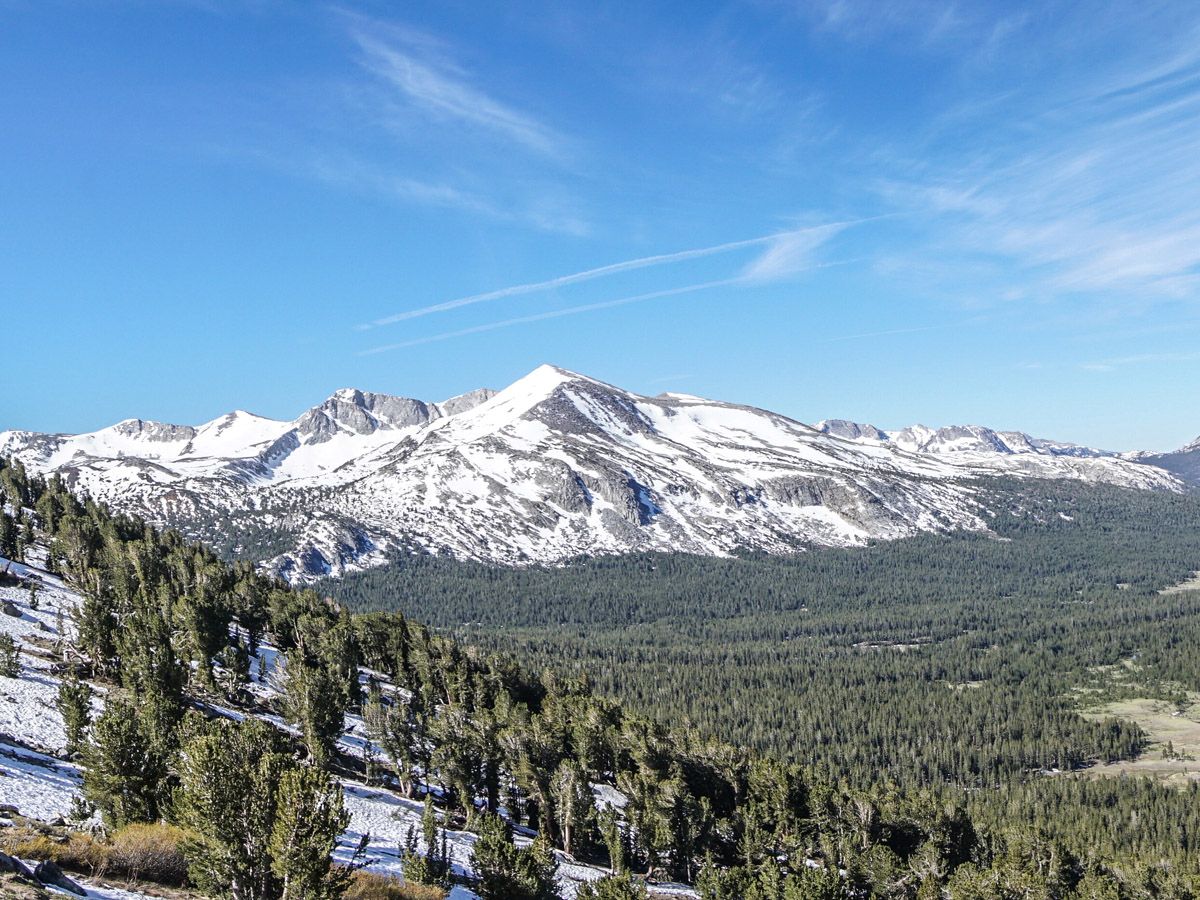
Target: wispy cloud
<point>345,171</point>
<point>787,253</point>
<point>910,23</point>
<point>1093,189</point>
<point>889,332</point>
<point>790,252</point>
<point>409,63</point>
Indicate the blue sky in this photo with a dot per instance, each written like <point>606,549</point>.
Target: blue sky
<point>887,211</point>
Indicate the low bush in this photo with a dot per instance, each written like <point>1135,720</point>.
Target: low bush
<point>74,850</point>
<point>369,886</point>
<point>149,853</point>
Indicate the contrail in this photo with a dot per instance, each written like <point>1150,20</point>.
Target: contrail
<point>603,271</point>
<point>554,314</point>
<point>575,310</point>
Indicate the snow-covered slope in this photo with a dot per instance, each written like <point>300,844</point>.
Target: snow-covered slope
<point>554,466</point>
<point>958,439</point>
<point>1183,463</point>
<point>40,780</point>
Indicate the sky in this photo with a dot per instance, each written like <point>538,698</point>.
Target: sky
<point>892,212</point>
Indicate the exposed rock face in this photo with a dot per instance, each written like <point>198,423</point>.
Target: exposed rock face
<point>154,431</point>
<point>555,466</point>
<point>465,402</point>
<point>851,431</point>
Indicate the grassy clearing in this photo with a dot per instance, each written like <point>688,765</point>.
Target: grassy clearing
<point>1173,754</point>
<point>1192,584</point>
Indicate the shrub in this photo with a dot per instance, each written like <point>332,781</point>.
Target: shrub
<point>369,886</point>
<point>76,850</point>
<point>141,852</point>
<point>149,853</point>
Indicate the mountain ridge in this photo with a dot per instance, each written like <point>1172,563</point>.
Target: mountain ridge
<point>555,466</point>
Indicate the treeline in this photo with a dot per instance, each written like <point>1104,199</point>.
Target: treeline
<point>176,635</point>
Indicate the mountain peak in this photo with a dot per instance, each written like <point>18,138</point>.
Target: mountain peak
<point>363,412</point>
<point>542,382</point>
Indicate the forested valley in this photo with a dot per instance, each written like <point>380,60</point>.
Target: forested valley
<point>951,662</point>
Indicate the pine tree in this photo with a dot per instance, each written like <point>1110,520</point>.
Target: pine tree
<point>235,669</point>
<point>313,699</point>
<point>227,797</point>
<point>10,657</point>
<point>205,619</point>
<point>123,774</point>
<point>616,841</point>
<point>155,675</point>
<point>310,816</point>
<point>9,537</point>
<point>96,628</point>
<point>75,706</point>
<point>613,887</point>
<point>506,872</point>
<point>433,866</point>
<point>574,807</point>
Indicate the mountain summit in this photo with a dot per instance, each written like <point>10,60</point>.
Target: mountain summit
<point>555,466</point>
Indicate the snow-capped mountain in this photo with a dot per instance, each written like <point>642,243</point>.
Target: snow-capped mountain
<point>555,466</point>
<point>957,439</point>
<point>1184,463</point>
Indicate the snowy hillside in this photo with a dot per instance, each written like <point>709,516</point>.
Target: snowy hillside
<point>39,779</point>
<point>555,466</point>
<point>959,439</point>
<point>1183,463</point>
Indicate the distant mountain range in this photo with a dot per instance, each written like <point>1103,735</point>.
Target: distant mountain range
<point>555,466</point>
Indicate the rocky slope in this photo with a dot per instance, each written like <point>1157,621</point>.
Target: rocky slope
<point>1183,463</point>
<point>554,466</point>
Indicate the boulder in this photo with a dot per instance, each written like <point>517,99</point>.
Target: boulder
<point>49,873</point>
<point>14,866</point>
